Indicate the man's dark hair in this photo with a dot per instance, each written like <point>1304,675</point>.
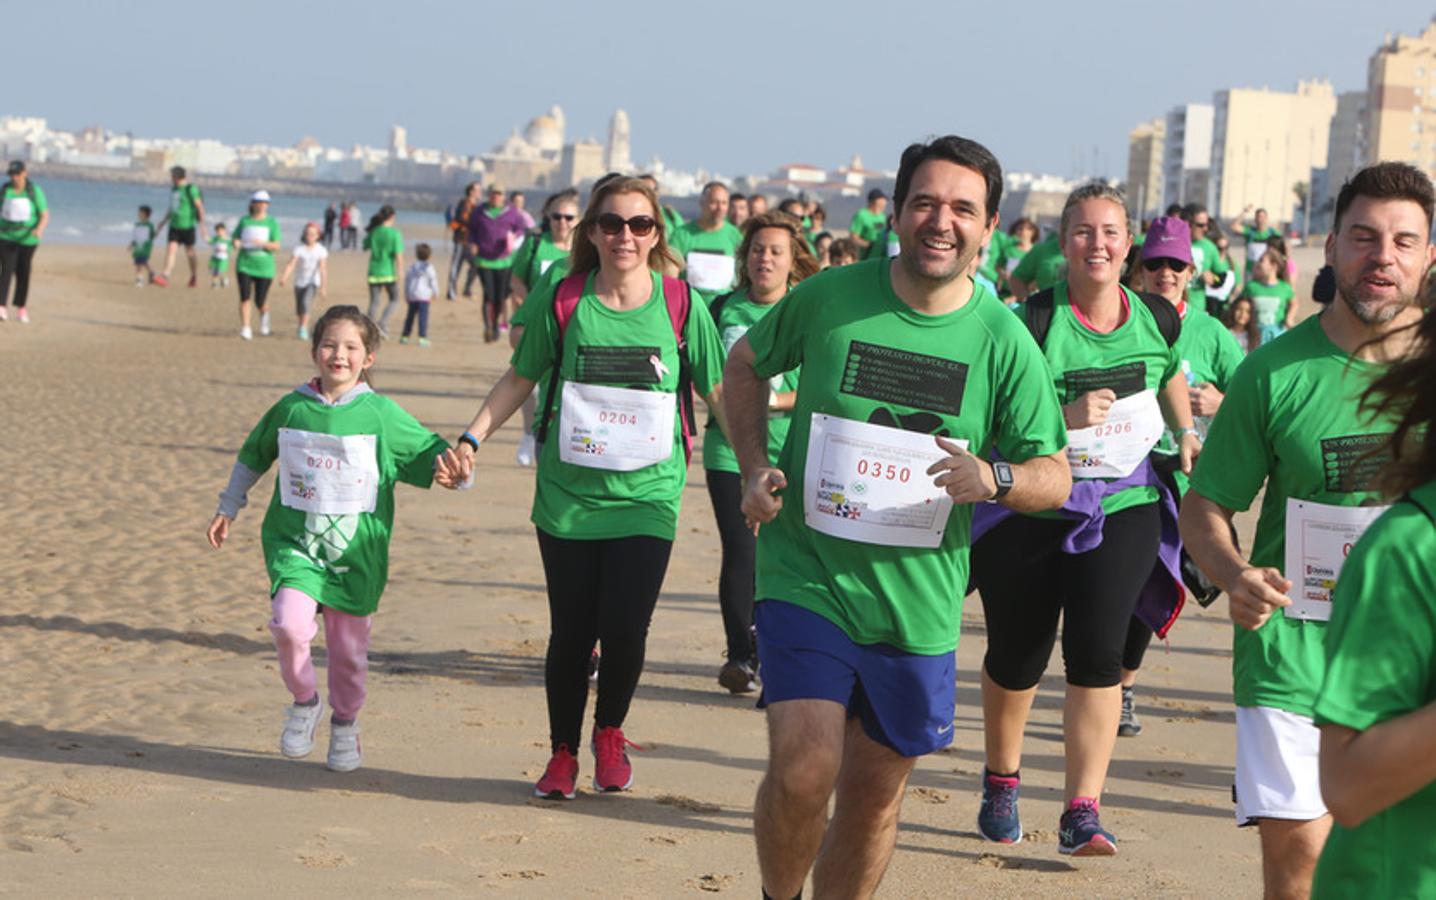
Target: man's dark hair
<point>733,197</point>
<point>1192,210</point>
<point>967,153</point>
<point>1174,211</point>
<point>788,205</point>
<point>146,210</point>
<point>1387,181</point>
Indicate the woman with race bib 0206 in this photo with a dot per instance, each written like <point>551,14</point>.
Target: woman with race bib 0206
<point>613,465</point>
<point>1111,355</point>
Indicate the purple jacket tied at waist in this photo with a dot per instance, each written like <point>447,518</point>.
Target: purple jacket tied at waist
<point>491,233</point>
<point>1161,599</point>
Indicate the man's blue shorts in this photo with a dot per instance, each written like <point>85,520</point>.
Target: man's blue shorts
<point>904,701</point>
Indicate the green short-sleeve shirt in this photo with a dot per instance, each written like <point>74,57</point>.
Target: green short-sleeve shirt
<point>183,211</point>
<point>256,262</point>
<point>384,244</point>
<point>609,347</point>
<point>340,560</point>
<point>1131,358</point>
<point>721,241</point>
<point>142,239</point>
<point>1290,421</point>
<point>1381,665</point>
<point>974,374</point>
<point>1269,300</point>
<point>1043,265</point>
<point>1209,354</point>
<point>737,315</point>
<point>867,224</point>
<point>533,260</point>
<point>20,213</point>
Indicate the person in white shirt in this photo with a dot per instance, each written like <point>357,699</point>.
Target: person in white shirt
<point>421,284</point>
<point>309,264</point>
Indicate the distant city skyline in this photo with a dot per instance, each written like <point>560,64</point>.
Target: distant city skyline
<point>1056,89</point>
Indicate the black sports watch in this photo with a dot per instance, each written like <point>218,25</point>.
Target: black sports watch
<point>1002,474</point>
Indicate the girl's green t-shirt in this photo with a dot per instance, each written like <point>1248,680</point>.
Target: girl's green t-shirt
<point>384,244</point>
<point>342,561</point>
<point>1269,300</point>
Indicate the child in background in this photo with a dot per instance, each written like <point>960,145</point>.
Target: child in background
<point>421,283</point>
<point>311,258</point>
<point>340,447</point>
<point>1273,300</point>
<point>386,263</point>
<point>142,244</point>
<point>219,257</point>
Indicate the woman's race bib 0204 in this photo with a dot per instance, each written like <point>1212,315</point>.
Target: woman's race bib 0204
<point>254,237</point>
<point>711,271</point>
<point>17,209</point>
<point>619,429</point>
<point>869,483</point>
<point>328,474</point>
<point>1115,448</point>
<point>1319,537</point>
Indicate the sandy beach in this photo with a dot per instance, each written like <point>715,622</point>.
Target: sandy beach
<point>138,732</point>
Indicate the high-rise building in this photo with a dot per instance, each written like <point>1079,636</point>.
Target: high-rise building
<point>1187,154</point>
<point>1265,143</point>
<point>1401,95</point>
<point>1346,152</point>
<point>618,154</point>
<point>1145,145</point>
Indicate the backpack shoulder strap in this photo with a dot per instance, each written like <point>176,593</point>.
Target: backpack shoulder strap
<point>565,301</point>
<point>715,309</point>
<point>1168,321</point>
<point>679,300</point>
<point>678,297</point>
<point>1040,308</point>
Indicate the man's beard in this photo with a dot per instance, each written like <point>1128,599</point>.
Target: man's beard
<point>1373,312</point>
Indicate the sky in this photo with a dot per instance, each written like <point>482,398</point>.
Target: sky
<point>737,87</point>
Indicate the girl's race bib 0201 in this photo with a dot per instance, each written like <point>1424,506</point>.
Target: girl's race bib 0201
<point>328,474</point>
<point>869,483</point>
<point>619,429</point>
<point>711,271</point>
<point>1115,448</point>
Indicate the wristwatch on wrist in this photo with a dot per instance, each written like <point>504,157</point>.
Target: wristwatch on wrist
<point>1002,474</point>
<point>1182,432</point>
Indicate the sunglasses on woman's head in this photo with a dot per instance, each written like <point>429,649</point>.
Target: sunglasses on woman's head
<point>612,224</point>
<point>561,217</point>
<point>1152,265</point>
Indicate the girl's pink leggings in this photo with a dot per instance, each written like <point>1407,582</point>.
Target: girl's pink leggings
<point>346,639</point>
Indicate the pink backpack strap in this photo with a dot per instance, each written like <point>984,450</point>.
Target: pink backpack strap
<point>679,299</point>
<point>566,298</point>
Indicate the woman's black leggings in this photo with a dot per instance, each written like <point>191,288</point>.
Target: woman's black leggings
<point>600,590</point>
<point>740,550</point>
<point>495,284</point>
<point>252,284</point>
<point>15,263</point>
<point>1027,582</point>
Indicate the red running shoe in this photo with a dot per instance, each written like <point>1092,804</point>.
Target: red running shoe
<point>560,779</point>
<point>612,770</point>
<point>161,280</point>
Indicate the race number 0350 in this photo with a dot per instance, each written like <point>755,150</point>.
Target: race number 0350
<point>884,471</point>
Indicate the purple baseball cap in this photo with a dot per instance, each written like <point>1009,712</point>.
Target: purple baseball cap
<point>1168,238</point>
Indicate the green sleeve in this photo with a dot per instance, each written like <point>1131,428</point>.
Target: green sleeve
<point>1381,641</point>
<point>523,258</point>
<point>261,448</point>
<point>41,204</point>
<point>1237,454</point>
<point>679,244</point>
<point>705,348</point>
<point>1029,416</point>
<point>413,446</point>
<point>1221,266</point>
<point>777,340</point>
<point>1228,355</point>
<point>533,357</point>
<point>368,241</point>
<point>1026,267</point>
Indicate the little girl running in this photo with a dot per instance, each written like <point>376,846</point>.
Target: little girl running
<point>309,264</point>
<point>340,447</point>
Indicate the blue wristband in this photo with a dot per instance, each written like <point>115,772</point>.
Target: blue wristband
<point>467,438</point>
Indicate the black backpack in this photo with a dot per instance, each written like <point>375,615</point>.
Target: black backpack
<point>1041,306</point>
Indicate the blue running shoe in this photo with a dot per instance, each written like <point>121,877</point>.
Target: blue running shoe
<point>997,819</point>
<point>1080,833</point>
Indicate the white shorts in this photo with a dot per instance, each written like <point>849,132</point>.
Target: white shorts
<point>1277,773</point>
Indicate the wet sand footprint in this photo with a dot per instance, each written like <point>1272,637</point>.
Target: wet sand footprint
<point>711,883</point>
